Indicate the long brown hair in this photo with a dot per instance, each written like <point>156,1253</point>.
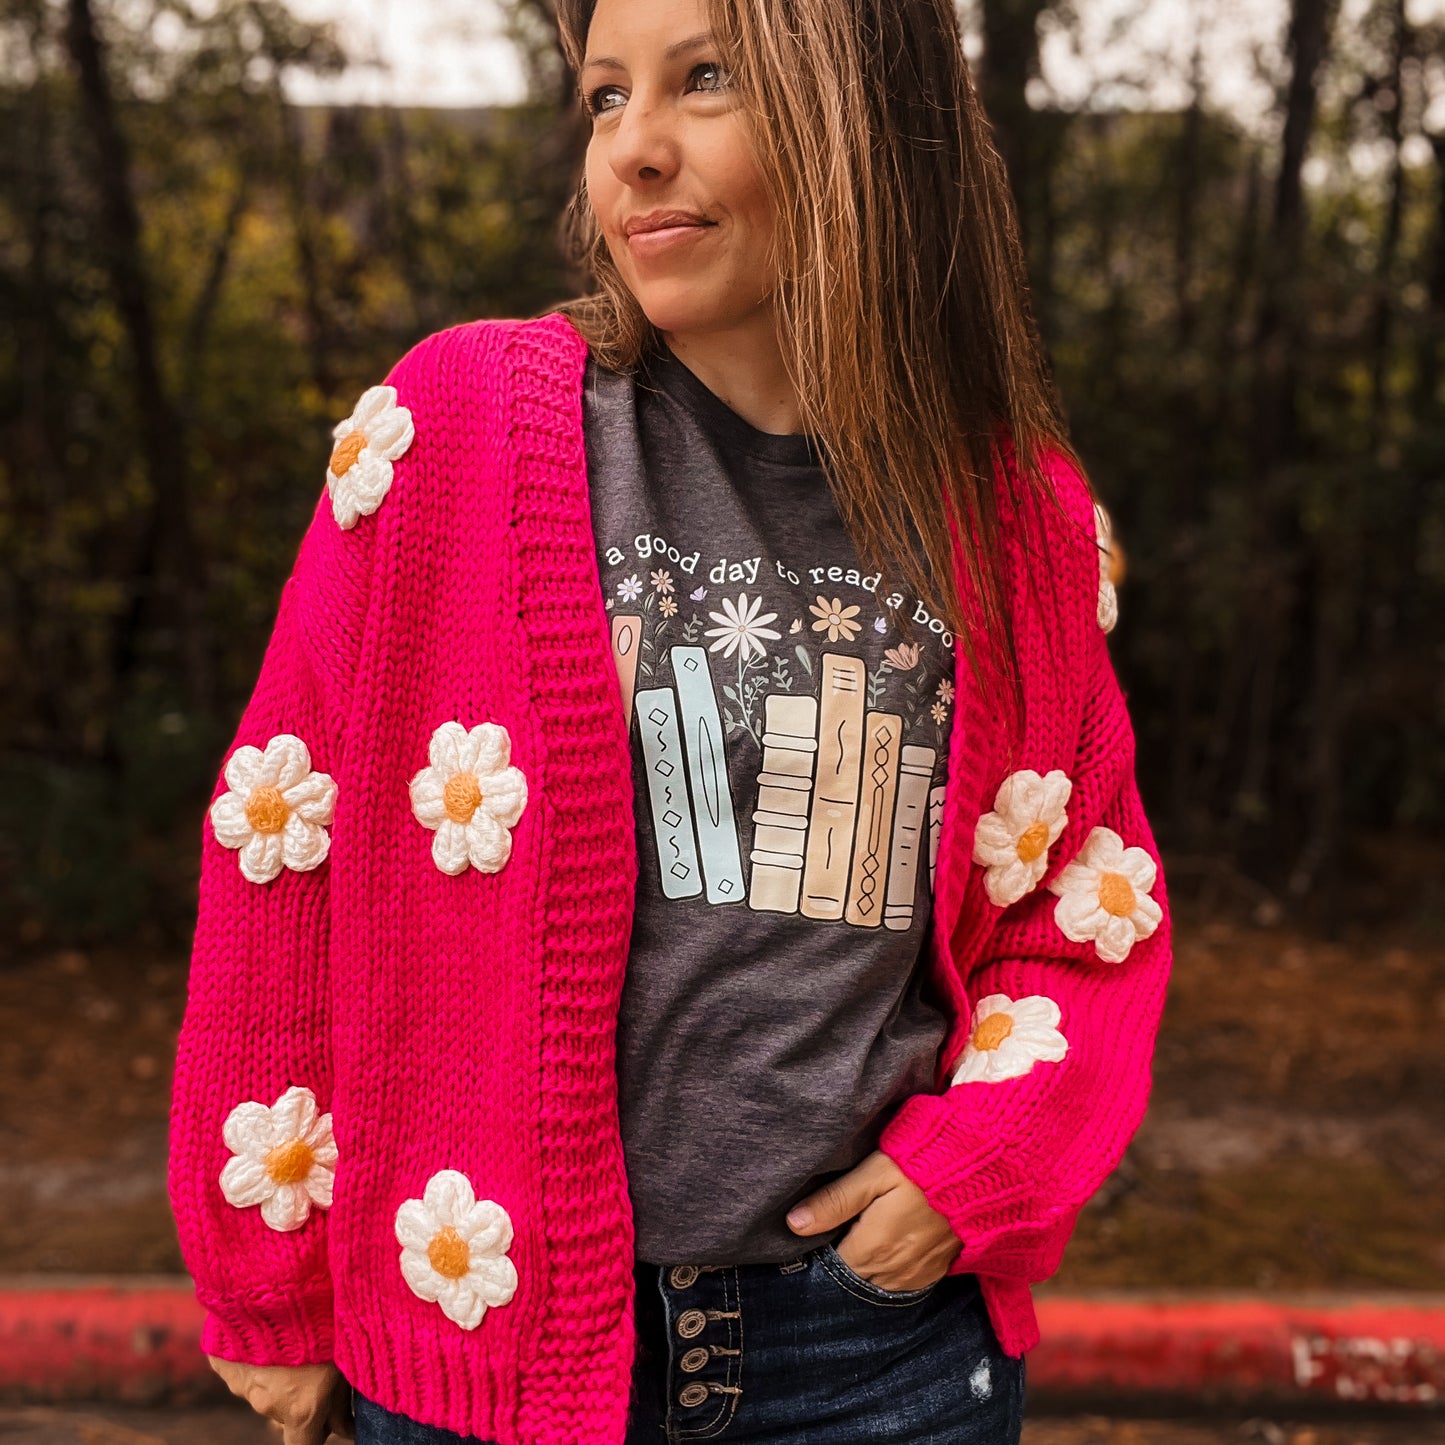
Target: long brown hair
<point>902,300</point>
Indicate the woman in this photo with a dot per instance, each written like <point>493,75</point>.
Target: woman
<point>721,946</point>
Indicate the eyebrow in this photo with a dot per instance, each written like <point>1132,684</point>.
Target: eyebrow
<point>671,53</point>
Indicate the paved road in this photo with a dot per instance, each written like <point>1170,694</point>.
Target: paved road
<point>118,1425</point>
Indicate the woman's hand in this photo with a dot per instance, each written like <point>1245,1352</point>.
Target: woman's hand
<point>309,1402</point>
<point>898,1241</point>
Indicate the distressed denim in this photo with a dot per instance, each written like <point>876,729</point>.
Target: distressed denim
<point>805,1352</point>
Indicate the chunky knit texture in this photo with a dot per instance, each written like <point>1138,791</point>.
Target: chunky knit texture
<point>466,1021</point>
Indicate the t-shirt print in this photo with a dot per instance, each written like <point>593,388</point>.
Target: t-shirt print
<point>803,671</point>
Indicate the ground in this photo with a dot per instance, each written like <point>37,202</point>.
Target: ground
<point>1292,1139</point>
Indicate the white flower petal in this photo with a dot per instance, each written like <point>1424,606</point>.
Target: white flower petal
<point>391,433</point>
<point>1147,915</point>
<point>249,1129</point>
<point>486,1227</point>
<point>504,795</point>
<point>318,1184</point>
<point>428,797</point>
<point>244,1181</point>
<point>1114,939</point>
<point>450,847</point>
<point>294,1113</point>
<point>304,846</point>
<point>461,1303</point>
<point>262,857</point>
<point>229,821</point>
<point>492,749</point>
<point>243,769</point>
<point>313,797</point>
<point>421,1278</point>
<point>1138,867</point>
<point>286,763</point>
<point>288,1208</point>
<point>489,844</point>
<point>449,1196</point>
<point>1079,915</point>
<point>495,1280</point>
<point>415,1225</point>
<point>444,752</point>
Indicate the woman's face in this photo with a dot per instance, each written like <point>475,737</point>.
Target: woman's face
<point>668,135</point>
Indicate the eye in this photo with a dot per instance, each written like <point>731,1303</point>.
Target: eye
<point>711,65</point>
<point>592,101</point>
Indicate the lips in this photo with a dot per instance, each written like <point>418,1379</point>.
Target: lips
<point>663,221</point>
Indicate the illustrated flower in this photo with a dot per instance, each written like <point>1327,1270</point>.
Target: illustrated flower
<point>835,619</point>
<point>945,690</point>
<point>471,796</point>
<point>667,606</point>
<point>283,1158</point>
<point>276,809</point>
<point>699,594</point>
<point>1013,841</point>
<point>630,588</point>
<point>940,713</point>
<point>741,627</point>
<point>662,581</point>
<point>1104,896</point>
<point>903,658</point>
<point>1009,1037</point>
<point>880,625</point>
<point>454,1249</point>
<point>796,625</point>
<point>359,473</point>
<point>1108,567</point>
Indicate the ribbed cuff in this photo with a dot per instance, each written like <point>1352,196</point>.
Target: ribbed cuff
<point>990,1199</point>
<point>279,1329</point>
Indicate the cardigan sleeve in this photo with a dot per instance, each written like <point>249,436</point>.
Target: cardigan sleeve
<point>251,1157</point>
<point>1012,1150</point>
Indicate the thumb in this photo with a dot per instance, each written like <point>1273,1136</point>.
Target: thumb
<point>835,1203</point>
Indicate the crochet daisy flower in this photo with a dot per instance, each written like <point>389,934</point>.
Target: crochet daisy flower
<point>275,810</point>
<point>1108,594</point>
<point>1013,841</point>
<point>1104,896</point>
<point>359,473</point>
<point>454,1249</point>
<point>1009,1037</point>
<point>471,796</point>
<point>284,1158</point>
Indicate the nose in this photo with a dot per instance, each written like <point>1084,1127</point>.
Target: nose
<point>644,143</point>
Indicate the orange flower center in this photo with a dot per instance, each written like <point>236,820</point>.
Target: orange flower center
<point>266,809</point>
<point>449,1253</point>
<point>993,1031</point>
<point>1116,895</point>
<point>462,796</point>
<point>1032,841</point>
<point>346,451</point>
<point>291,1162</point>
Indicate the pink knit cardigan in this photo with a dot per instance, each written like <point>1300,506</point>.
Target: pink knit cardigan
<point>412,996</point>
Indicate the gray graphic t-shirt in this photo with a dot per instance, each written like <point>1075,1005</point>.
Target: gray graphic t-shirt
<point>789,765</point>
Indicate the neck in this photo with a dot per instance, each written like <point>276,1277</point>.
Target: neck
<point>743,367</point>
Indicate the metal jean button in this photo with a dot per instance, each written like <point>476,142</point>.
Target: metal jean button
<point>693,1360</point>
<point>690,1323</point>
<point>683,1275</point>
<point>693,1394</point>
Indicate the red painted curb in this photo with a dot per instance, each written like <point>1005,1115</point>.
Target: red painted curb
<point>136,1339</point>
<point>1243,1349</point>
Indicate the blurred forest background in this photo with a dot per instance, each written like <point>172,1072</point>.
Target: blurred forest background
<point>199,276</point>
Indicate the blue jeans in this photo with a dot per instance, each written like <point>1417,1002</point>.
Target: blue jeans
<point>801,1353</point>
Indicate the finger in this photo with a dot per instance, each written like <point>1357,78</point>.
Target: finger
<point>835,1201</point>
<point>312,1432</point>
